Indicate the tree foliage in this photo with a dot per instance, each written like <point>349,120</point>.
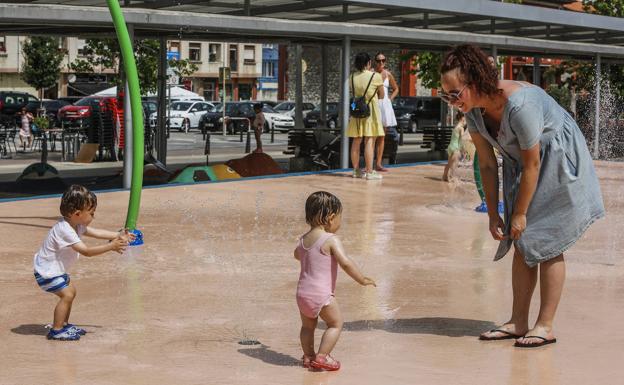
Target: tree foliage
<point>428,68</point>
<point>106,54</point>
<point>42,61</point>
<point>605,7</point>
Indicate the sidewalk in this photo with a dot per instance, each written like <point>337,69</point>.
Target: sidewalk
<point>11,169</point>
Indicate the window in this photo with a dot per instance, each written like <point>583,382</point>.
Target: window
<point>81,44</point>
<point>2,43</point>
<point>233,58</point>
<point>209,91</point>
<point>249,54</point>
<point>214,53</point>
<point>195,52</point>
<point>268,69</point>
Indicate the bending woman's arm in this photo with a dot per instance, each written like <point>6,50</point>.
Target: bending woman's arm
<point>489,176</point>
<point>528,182</point>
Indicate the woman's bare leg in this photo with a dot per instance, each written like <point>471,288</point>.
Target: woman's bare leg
<point>355,152</point>
<point>369,143</point>
<point>523,281</point>
<point>552,278</point>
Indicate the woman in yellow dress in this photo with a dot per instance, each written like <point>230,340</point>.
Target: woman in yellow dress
<point>370,84</point>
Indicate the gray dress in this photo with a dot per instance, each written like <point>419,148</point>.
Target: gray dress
<point>567,198</point>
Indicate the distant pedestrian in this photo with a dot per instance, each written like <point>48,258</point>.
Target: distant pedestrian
<point>25,132</point>
<point>388,119</point>
<point>368,86</point>
<point>454,149</point>
<point>258,126</point>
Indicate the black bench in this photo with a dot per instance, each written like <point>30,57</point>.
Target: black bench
<point>437,138</point>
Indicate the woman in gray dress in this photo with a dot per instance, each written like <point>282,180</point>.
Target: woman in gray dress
<point>550,188</point>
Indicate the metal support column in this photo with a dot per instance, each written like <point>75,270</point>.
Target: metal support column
<point>161,130</point>
<point>597,108</point>
<point>127,159</point>
<point>344,105</point>
<point>298,87</point>
<point>537,76</point>
<point>323,106</point>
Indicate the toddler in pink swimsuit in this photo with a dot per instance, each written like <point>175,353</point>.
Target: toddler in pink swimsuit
<point>320,253</point>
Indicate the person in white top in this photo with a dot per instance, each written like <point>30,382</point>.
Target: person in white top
<point>388,119</point>
<point>61,249</point>
<point>25,132</point>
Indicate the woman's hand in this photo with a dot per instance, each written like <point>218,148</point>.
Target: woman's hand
<point>496,228</point>
<point>518,225</point>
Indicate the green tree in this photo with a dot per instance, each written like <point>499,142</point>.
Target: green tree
<point>105,54</point>
<point>605,7</point>
<point>42,62</point>
<point>428,68</point>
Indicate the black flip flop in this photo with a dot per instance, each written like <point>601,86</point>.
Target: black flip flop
<point>535,345</point>
<point>506,335</point>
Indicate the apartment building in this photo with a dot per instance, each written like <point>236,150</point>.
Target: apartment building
<point>243,60</point>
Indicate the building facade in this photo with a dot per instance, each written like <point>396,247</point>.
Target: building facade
<point>243,60</point>
<point>268,82</point>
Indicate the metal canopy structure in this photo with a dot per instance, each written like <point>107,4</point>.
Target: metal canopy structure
<point>427,24</point>
<point>508,29</point>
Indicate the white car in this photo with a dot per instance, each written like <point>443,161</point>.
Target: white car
<point>275,120</point>
<point>185,115</point>
<point>288,108</point>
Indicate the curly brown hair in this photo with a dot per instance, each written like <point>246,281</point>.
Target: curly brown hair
<point>474,68</point>
<point>77,198</point>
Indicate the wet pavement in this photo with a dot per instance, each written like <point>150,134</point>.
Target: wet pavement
<point>217,269</point>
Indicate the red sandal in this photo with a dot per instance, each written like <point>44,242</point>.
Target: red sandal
<point>322,362</point>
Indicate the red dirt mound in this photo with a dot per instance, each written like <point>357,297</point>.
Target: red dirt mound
<point>255,164</point>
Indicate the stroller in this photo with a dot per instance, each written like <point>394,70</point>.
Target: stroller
<point>327,152</point>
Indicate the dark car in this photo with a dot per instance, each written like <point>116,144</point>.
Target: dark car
<point>415,112</point>
<point>12,101</point>
<point>240,111</point>
<point>313,118</point>
<point>51,108</point>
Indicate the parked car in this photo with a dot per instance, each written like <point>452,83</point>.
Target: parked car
<point>12,101</point>
<point>275,120</point>
<point>51,108</point>
<point>288,108</point>
<point>213,121</point>
<point>185,115</point>
<point>70,99</point>
<point>82,108</point>
<point>415,112</point>
<point>313,118</point>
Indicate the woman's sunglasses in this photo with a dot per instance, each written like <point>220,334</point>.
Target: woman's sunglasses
<point>452,97</point>
<point>380,60</point>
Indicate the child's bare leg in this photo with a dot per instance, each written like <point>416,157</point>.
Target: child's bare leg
<point>63,307</point>
<point>308,326</point>
<point>552,277</point>
<point>452,165</point>
<point>258,134</point>
<point>523,281</point>
<point>333,319</point>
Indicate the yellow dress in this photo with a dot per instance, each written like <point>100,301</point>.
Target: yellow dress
<point>370,126</point>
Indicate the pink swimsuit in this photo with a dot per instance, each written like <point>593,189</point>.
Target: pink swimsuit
<point>317,280</point>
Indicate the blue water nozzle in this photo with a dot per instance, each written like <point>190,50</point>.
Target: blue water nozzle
<point>138,238</point>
